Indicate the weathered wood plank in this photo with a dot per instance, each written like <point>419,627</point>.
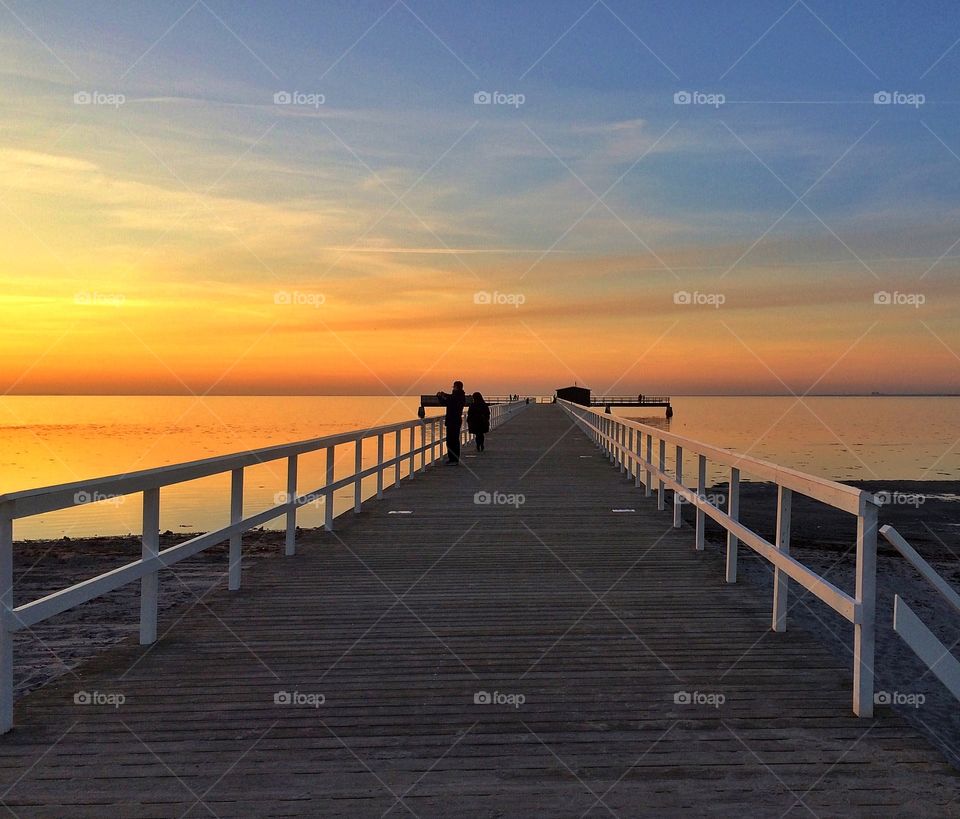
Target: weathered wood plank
<point>600,620</point>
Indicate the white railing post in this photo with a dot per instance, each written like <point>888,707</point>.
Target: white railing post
<point>150,582</point>
<point>702,495</point>
<point>6,634</point>
<point>648,486</point>
<point>328,495</point>
<point>380,465</point>
<point>396,458</point>
<point>621,446</point>
<point>733,510</point>
<point>661,500</point>
<point>413,449</point>
<point>781,582</point>
<point>866,596</point>
<point>423,447</point>
<point>358,483</point>
<point>637,448</point>
<point>677,497</point>
<point>290,545</point>
<point>236,539</point>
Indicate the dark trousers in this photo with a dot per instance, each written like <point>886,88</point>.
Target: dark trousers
<point>453,443</point>
<point>479,437</point>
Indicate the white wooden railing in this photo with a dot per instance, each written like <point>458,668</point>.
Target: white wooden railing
<point>623,441</point>
<point>912,630</point>
<point>424,444</point>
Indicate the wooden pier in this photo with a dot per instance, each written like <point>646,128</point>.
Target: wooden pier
<point>523,635</point>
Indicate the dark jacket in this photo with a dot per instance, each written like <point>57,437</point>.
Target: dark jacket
<point>454,402</point>
<point>478,418</point>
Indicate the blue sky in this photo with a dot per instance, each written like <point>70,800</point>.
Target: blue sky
<point>697,196</point>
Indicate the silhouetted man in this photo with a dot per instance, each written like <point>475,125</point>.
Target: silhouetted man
<point>454,402</point>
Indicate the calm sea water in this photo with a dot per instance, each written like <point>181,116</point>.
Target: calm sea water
<point>55,439</point>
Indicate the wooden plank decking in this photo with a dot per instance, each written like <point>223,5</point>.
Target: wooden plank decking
<point>598,619</point>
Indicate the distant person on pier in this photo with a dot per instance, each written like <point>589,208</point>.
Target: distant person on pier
<point>478,420</point>
<point>454,402</point>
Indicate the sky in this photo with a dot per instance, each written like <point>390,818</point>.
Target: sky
<point>378,197</point>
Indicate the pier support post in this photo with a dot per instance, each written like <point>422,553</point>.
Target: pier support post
<point>396,458</point>
<point>328,494</point>
<point>150,582</point>
<point>290,545</point>
<point>6,611</point>
<point>637,449</point>
<point>413,449</point>
<point>866,595</point>
<point>661,500</point>
<point>781,582</point>
<point>647,487</point>
<point>677,497</point>
<point>733,510</point>
<point>701,495</point>
<point>236,539</point>
<point>380,465</point>
<point>358,482</point>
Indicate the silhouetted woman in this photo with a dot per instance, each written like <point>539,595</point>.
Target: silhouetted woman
<point>478,419</point>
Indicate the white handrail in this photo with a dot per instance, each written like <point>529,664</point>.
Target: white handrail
<point>923,642</point>
<point>150,481</point>
<point>621,439</point>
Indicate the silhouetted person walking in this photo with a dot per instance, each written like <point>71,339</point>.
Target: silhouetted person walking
<point>454,402</point>
<point>478,419</point>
